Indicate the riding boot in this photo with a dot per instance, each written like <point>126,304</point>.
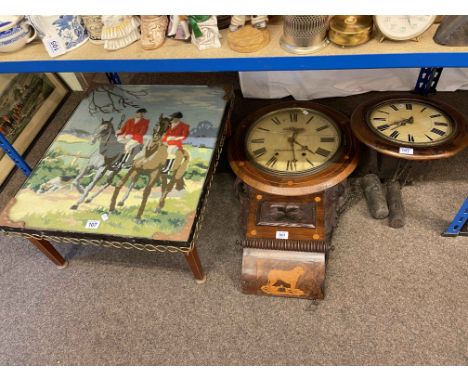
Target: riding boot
<point>124,160</point>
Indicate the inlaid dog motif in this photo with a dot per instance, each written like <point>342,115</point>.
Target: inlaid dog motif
<point>284,282</point>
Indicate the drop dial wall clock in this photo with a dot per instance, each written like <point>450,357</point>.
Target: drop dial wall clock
<point>429,129</point>
<point>292,141</point>
<point>291,158</point>
<point>293,148</point>
<point>403,27</point>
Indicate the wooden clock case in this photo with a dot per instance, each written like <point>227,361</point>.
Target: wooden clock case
<point>343,162</point>
<point>289,220</point>
<point>396,163</point>
<point>366,135</point>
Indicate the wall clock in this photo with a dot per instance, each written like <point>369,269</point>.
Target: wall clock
<point>410,127</point>
<point>403,27</point>
<point>404,128</point>
<point>291,158</point>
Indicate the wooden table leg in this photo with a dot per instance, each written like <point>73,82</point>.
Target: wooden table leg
<point>194,263</point>
<point>47,249</point>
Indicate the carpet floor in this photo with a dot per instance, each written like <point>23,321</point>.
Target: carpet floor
<point>392,296</point>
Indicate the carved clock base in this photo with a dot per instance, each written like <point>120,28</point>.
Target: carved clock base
<point>287,241</point>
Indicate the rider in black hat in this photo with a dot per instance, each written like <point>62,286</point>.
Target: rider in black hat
<point>177,115</point>
<point>175,136</point>
<point>131,134</point>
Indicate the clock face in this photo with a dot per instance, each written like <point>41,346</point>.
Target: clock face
<point>409,122</point>
<point>292,141</point>
<point>403,27</point>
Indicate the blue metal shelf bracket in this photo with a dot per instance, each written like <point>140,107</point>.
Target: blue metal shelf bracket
<point>14,155</point>
<point>459,222</point>
<point>114,78</point>
<point>427,80</point>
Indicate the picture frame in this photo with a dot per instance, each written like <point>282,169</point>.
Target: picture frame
<point>89,188</point>
<point>27,101</point>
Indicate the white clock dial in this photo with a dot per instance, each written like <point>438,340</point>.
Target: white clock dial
<point>412,123</point>
<point>292,141</point>
<point>403,27</point>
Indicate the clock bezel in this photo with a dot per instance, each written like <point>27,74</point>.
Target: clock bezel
<point>286,173</point>
<point>443,149</point>
<point>344,162</point>
<point>413,144</point>
<point>413,36</point>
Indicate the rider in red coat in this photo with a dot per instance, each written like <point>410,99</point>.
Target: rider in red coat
<point>135,128</point>
<point>177,132</point>
<point>174,137</point>
<point>132,132</point>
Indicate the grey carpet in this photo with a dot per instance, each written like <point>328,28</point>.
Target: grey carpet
<point>392,296</point>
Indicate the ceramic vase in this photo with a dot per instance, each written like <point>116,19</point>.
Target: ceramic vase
<point>153,31</point>
<point>59,34</point>
<point>210,36</point>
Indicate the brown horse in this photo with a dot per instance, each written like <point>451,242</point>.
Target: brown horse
<point>151,161</point>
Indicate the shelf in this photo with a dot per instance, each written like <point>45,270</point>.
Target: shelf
<point>177,56</point>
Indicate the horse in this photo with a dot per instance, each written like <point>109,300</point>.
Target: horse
<point>105,158</point>
<point>151,161</point>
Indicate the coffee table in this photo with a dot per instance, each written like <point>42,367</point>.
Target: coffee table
<point>132,168</point>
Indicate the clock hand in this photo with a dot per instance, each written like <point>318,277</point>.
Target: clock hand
<point>304,147</point>
<point>402,122</point>
<point>280,132</point>
<point>409,20</point>
<point>291,141</point>
<point>396,123</point>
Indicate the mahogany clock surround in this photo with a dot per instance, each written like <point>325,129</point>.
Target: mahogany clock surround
<point>343,162</point>
<point>457,141</point>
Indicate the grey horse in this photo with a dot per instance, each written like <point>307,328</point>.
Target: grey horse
<point>106,158</point>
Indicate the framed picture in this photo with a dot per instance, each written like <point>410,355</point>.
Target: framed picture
<point>133,162</point>
<point>27,101</point>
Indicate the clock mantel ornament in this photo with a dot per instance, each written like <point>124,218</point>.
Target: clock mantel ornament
<point>292,160</point>
<point>403,27</point>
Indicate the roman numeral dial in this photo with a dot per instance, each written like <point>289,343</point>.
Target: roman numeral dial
<point>293,141</point>
<point>410,122</point>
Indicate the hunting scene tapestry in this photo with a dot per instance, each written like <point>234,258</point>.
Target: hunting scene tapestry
<point>131,161</point>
